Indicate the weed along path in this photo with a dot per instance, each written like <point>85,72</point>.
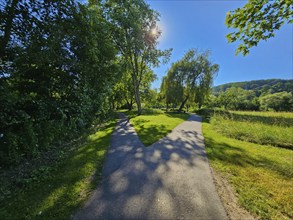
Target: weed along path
<point>169,180</point>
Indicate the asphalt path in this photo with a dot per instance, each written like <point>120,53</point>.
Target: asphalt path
<point>169,180</point>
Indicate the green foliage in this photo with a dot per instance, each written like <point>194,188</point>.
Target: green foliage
<point>189,79</point>
<point>260,175</point>
<point>57,70</point>
<point>256,21</point>
<point>58,190</point>
<point>254,95</point>
<point>135,33</point>
<point>261,87</point>
<point>150,98</point>
<point>281,101</point>
<point>237,99</point>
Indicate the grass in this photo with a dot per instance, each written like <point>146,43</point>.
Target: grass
<point>284,119</point>
<point>260,174</point>
<point>151,126</point>
<point>254,128</point>
<point>64,188</point>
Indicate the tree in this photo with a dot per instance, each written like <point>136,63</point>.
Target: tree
<point>135,34</point>
<point>150,98</point>
<point>173,86</point>
<point>53,55</point>
<point>236,98</point>
<point>256,21</point>
<point>123,90</point>
<point>190,79</point>
<point>281,101</point>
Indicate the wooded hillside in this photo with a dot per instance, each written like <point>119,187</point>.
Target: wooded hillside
<point>267,86</point>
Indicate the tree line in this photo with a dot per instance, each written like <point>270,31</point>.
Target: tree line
<point>63,64</point>
<point>261,87</point>
<point>236,98</point>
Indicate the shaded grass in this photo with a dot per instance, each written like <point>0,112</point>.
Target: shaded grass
<point>59,193</point>
<point>151,126</point>
<point>261,175</point>
<point>256,129</point>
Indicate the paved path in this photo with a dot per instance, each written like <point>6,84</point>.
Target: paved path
<point>169,180</point>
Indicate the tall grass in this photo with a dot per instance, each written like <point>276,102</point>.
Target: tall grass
<point>273,129</point>
<point>271,118</point>
<point>261,175</point>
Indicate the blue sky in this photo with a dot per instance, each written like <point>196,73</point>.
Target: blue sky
<point>201,24</point>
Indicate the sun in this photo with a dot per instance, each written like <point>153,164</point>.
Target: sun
<point>154,31</point>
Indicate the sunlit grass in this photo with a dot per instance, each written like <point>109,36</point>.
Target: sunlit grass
<point>256,132</point>
<point>59,194</point>
<point>265,114</point>
<point>261,175</point>
<point>284,119</point>
<point>271,128</point>
<point>152,126</point>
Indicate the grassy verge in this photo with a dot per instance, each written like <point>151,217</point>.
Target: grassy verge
<point>254,131</point>
<point>60,190</point>
<point>261,175</point>
<point>271,118</point>
<point>151,126</point>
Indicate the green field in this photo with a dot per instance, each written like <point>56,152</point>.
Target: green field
<point>274,129</point>
<point>153,125</point>
<point>56,192</point>
<point>261,173</point>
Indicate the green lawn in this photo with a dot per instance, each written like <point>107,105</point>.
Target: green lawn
<point>261,175</point>
<point>154,125</point>
<point>59,193</point>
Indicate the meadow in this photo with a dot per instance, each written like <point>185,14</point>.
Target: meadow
<point>270,128</point>
<point>248,149</point>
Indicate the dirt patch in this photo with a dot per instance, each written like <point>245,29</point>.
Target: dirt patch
<point>229,200</point>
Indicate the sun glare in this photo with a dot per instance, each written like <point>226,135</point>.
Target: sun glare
<point>154,31</point>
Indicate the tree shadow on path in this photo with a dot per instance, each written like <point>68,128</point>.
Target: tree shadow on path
<point>169,180</point>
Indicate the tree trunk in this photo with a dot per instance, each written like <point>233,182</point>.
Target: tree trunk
<point>113,105</point>
<point>130,105</point>
<point>137,99</point>
<point>137,96</point>
<point>199,105</point>
<point>183,103</point>
<point>8,27</point>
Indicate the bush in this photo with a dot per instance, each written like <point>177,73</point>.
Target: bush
<point>281,101</point>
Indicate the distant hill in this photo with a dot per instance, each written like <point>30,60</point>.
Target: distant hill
<point>260,86</point>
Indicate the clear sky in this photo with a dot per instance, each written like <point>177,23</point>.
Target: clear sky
<point>201,24</point>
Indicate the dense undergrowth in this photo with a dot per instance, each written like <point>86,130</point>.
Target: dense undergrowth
<point>56,190</point>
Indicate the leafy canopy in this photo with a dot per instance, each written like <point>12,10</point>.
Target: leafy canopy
<point>256,21</point>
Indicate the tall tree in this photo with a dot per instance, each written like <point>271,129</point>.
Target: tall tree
<point>8,13</point>
<point>258,20</point>
<point>190,78</point>
<point>136,35</point>
<point>56,53</point>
